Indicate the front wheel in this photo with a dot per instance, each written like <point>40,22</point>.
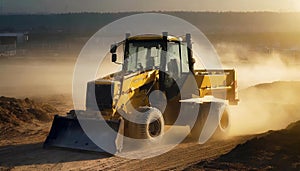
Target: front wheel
<point>147,123</point>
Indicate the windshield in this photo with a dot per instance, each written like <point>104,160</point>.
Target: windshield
<point>143,55</point>
<point>146,55</point>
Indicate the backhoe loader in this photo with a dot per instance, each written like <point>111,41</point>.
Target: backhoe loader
<point>152,65</point>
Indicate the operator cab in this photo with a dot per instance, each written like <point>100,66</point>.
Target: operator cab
<point>170,55</point>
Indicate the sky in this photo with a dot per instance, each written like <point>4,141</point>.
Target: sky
<point>65,6</point>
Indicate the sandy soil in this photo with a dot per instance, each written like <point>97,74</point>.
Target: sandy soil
<point>22,150</point>
<point>274,150</point>
<point>28,154</point>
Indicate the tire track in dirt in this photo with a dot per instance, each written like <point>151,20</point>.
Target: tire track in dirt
<point>184,155</point>
<point>34,157</point>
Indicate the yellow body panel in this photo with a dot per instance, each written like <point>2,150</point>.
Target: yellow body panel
<point>132,95</point>
<point>129,94</point>
<point>219,83</point>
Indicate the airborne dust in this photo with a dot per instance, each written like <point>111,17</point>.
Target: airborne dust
<point>269,81</point>
<point>261,108</point>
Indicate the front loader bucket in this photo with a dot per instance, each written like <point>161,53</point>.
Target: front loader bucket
<point>67,133</point>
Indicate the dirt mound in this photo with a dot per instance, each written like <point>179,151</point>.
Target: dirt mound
<point>268,106</point>
<point>276,92</point>
<point>276,150</point>
<point>15,112</point>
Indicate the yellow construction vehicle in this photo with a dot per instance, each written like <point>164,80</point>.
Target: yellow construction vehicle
<point>161,66</point>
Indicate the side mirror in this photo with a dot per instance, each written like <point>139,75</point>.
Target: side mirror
<point>113,48</point>
<point>193,60</point>
<point>113,57</point>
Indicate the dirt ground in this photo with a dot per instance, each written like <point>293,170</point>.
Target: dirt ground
<point>26,153</point>
<point>21,148</point>
<point>274,150</point>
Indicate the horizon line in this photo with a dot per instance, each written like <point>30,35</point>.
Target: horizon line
<point>153,11</point>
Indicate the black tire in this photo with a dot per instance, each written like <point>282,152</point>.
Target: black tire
<point>148,123</point>
<point>223,126</point>
<point>201,118</point>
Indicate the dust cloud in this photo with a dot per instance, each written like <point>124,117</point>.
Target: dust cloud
<point>34,76</point>
<point>269,81</point>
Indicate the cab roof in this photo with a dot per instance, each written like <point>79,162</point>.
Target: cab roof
<point>154,37</point>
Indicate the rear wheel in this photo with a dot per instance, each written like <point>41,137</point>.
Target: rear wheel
<point>148,123</point>
<point>223,126</point>
<point>201,118</point>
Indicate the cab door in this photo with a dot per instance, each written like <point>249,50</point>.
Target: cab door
<point>175,69</point>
